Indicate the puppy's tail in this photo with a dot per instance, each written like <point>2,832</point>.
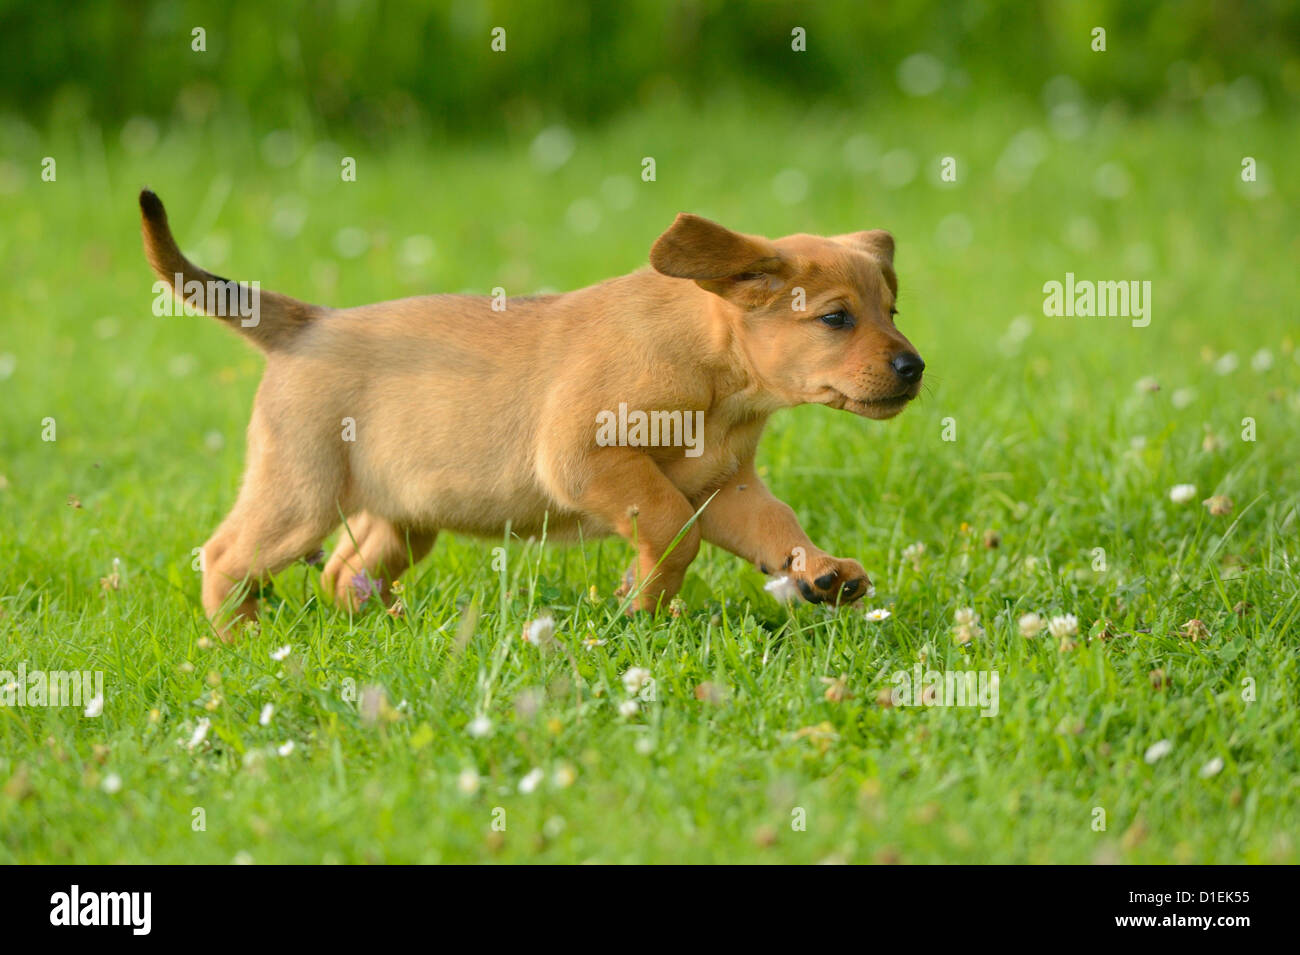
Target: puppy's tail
<point>268,319</point>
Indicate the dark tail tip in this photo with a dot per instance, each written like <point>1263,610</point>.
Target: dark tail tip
<point>151,206</point>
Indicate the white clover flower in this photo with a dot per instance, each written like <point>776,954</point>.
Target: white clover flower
<point>112,783</point>
<point>267,712</point>
<point>285,748</point>
<point>966,625</point>
<point>912,554</point>
<point>282,653</point>
<point>200,733</point>
<point>95,706</point>
<point>1066,625</point>
<point>1212,768</point>
<point>782,588</point>
<point>1158,750</point>
<point>1031,625</point>
<point>878,614</point>
<point>635,678</point>
<point>1182,493</point>
<point>530,782</point>
<point>479,726</point>
<point>629,708</point>
<point>540,632</point>
<point>468,781</point>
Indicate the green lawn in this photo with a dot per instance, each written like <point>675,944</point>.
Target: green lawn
<point>1059,450</point>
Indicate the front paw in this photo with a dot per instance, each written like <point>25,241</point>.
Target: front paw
<point>831,580</point>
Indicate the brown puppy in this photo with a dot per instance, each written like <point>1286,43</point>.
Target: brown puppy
<point>569,411</point>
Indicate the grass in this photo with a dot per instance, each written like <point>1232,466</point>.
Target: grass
<point>1056,450</point>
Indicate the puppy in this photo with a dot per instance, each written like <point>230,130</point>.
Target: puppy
<point>449,412</point>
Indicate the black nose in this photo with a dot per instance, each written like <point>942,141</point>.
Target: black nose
<point>908,366</point>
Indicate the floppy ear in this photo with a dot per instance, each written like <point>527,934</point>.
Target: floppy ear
<point>715,257</point>
<point>875,242</point>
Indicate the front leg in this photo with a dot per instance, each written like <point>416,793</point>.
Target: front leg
<point>626,490</point>
<point>745,518</point>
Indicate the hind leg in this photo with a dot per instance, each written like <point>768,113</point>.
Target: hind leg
<point>372,549</point>
<point>286,506</point>
<point>257,539</point>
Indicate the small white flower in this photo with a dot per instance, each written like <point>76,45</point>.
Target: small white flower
<point>1262,360</point>
<point>267,712</point>
<point>479,726</point>
<point>1158,750</point>
<point>1226,364</point>
<point>1148,384</point>
<point>878,614</point>
<point>635,678</point>
<point>540,632</point>
<point>282,653</point>
<point>644,746</point>
<point>782,588</point>
<point>285,748</point>
<point>965,616</point>
<point>468,781</point>
<point>95,707</point>
<point>629,708</point>
<point>1031,625</point>
<point>530,782</point>
<point>200,733</point>
<point>1182,397</point>
<point>1066,625</point>
<point>1212,768</point>
<point>112,783</point>
<point>1182,493</point>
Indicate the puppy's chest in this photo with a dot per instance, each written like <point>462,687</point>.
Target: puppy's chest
<point>718,456</point>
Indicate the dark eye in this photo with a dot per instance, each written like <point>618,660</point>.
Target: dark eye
<point>893,312</point>
<point>837,320</point>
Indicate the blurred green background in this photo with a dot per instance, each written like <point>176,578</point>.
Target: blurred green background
<point>379,67</point>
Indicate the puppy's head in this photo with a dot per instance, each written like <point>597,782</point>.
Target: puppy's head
<point>815,316</point>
